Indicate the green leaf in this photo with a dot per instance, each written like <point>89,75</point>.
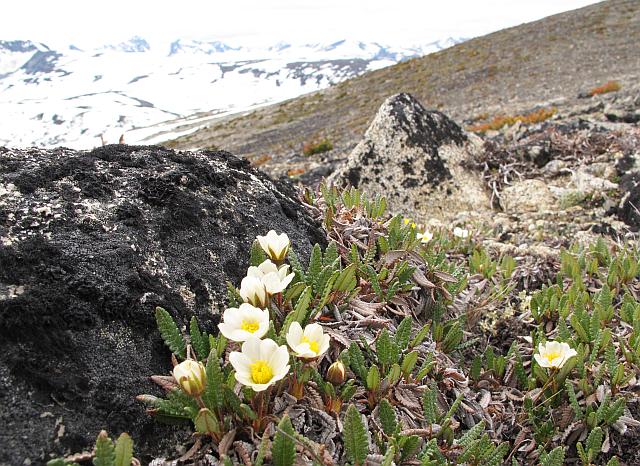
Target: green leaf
<point>386,350</point>
<point>346,281</point>
<point>284,447</point>
<point>387,417</point>
<point>420,336</point>
<point>408,445</point>
<point>302,306</point>
<point>124,450</point>
<point>403,333</point>
<point>170,333</point>
<point>199,341</point>
<point>262,450</point>
<point>213,396</point>
<point>373,378</point>
<point>409,363</point>
<point>315,265</point>
<point>206,422</point>
<point>555,458</point>
<point>354,435</point>
<point>105,454</point>
<point>471,435</point>
<point>429,405</point>
<point>387,460</point>
<point>356,361</point>
<point>256,254</point>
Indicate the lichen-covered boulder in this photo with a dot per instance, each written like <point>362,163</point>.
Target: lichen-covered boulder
<point>90,244</point>
<point>415,158</point>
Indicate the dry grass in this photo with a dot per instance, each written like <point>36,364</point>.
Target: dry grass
<point>501,121</point>
<point>261,160</point>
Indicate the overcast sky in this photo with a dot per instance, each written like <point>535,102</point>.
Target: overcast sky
<point>396,22</point>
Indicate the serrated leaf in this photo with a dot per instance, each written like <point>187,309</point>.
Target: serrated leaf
<point>124,450</point>
<point>429,405</point>
<point>356,361</point>
<point>555,458</point>
<point>199,341</point>
<point>213,396</point>
<point>354,435</point>
<point>105,452</point>
<point>420,336</point>
<point>386,350</point>
<point>403,333</point>
<point>284,448</point>
<point>170,333</point>
<point>387,417</point>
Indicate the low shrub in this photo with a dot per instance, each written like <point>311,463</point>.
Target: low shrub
<point>313,147</point>
<point>609,86</point>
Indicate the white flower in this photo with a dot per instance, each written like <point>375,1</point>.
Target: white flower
<point>425,237</point>
<point>554,354</point>
<point>276,246</point>
<point>308,344</point>
<point>191,376</point>
<point>275,278</point>
<point>240,324</point>
<point>260,364</point>
<point>254,292</point>
<point>460,232</point>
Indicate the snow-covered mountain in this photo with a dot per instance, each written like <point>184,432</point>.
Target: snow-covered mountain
<point>73,97</point>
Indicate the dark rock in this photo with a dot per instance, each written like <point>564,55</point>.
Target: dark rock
<point>413,156</point>
<point>90,244</point>
<point>629,208</point>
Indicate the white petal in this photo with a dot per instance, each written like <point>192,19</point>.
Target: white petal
<point>313,332</point>
<point>254,271</point>
<point>268,267</point>
<point>251,349</point>
<point>294,335</point>
<point>542,362</point>
<point>286,280</point>
<point>232,316</point>
<point>279,359</point>
<point>272,283</point>
<point>281,374</point>
<point>267,348</point>
<point>324,345</point>
<point>240,362</point>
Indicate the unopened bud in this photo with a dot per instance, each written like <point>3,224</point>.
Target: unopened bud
<point>191,376</point>
<point>337,373</point>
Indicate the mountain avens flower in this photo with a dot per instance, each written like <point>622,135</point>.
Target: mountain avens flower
<point>254,292</point>
<point>191,376</point>
<point>460,232</point>
<point>244,322</point>
<point>276,246</point>
<point>275,278</point>
<point>425,236</point>
<point>309,343</point>
<point>337,373</point>
<point>554,354</point>
<point>260,364</point>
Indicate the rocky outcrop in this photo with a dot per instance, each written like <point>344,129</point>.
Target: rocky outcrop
<point>90,244</point>
<point>414,157</point>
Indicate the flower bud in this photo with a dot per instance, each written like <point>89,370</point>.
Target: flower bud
<point>336,374</point>
<point>191,376</point>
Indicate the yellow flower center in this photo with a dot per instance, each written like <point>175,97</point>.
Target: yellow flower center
<point>261,372</point>
<point>313,345</point>
<point>551,356</point>
<point>250,326</point>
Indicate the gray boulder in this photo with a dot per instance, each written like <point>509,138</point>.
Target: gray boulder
<point>90,244</point>
<point>414,157</point>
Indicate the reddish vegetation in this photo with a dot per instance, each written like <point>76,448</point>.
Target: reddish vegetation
<point>500,121</point>
<point>610,86</point>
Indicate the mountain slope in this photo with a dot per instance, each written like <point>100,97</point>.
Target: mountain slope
<point>537,63</point>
